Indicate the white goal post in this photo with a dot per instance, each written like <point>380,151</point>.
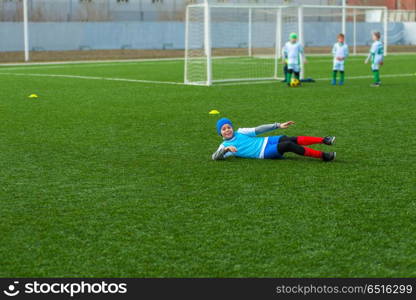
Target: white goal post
<point>243,42</point>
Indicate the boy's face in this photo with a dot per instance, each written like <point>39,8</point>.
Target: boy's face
<point>293,41</point>
<point>375,38</point>
<point>340,39</point>
<point>227,131</point>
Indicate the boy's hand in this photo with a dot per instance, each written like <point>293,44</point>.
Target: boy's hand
<point>366,61</point>
<point>340,58</point>
<point>286,124</point>
<point>305,61</point>
<point>230,149</point>
<point>381,63</point>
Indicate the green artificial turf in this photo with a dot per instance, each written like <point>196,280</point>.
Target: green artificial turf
<point>115,179</point>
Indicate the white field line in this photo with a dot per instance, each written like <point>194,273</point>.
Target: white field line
<point>317,79</point>
<point>93,78</point>
<point>180,83</point>
<point>104,63</point>
<point>139,60</point>
<point>310,61</point>
<point>91,61</point>
<point>352,58</point>
<point>371,76</point>
<point>81,65</point>
<point>249,82</point>
<point>123,63</point>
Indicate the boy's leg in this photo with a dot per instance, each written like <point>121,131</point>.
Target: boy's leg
<point>334,77</point>
<point>297,72</point>
<point>308,140</point>
<point>342,76</point>
<point>285,71</point>
<point>334,72</point>
<point>302,140</point>
<point>285,138</point>
<point>289,146</point>
<point>289,76</point>
<point>341,73</point>
<point>376,74</point>
<point>376,78</point>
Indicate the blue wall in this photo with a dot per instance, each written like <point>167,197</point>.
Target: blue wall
<point>170,35</point>
<point>100,35</point>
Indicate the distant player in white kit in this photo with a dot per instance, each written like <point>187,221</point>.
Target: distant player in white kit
<point>340,53</point>
<point>293,53</point>
<point>377,58</point>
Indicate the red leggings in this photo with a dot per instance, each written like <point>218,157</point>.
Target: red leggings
<point>294,144</point>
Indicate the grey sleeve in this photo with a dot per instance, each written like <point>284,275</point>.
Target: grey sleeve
<point>266,128</point>
<point>219,154</point>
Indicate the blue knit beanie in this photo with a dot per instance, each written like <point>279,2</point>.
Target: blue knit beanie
<point>221,122</point>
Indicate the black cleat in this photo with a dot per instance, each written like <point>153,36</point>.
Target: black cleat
<point>328,156</point>
<point>376,84</point>
<point>329,140</point>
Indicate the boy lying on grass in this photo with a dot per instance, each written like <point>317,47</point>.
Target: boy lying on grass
<point>245,143</point>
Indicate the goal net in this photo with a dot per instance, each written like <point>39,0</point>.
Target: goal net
<point>235,42</point>
<point>231,43</point>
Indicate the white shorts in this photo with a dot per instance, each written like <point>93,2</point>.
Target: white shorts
<point>375,65</point>
<point>338,65</point>
<point>294,67</point>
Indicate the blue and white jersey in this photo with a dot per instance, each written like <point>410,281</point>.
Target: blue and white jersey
<point>247,143</point>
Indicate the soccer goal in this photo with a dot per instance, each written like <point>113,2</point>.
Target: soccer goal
<point>243,42</point>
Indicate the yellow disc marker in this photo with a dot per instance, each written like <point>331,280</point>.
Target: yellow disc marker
<point>214,112</point>
<point>33,96</point>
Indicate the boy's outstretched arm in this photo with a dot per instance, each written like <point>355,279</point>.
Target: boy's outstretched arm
<point>266,128</point>
<point>223,152</point>
<point>286,124</point>
<point>269,127</point>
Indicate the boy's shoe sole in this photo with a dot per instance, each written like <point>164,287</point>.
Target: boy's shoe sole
<point>329,156</point>
<point>329,140</point>
<point>375,85</point>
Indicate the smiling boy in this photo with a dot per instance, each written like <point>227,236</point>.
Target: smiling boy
<point>245,143</point>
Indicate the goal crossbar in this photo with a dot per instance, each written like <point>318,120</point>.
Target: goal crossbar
<point>275,6</point>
